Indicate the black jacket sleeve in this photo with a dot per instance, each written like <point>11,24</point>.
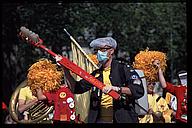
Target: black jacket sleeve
<point>133,81</point>
<point>83,86</point>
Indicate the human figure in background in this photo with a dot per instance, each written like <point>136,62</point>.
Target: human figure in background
<point>47,81</point>
<point>179,91</point>
<point>25,100</point>
<point>158,107</point>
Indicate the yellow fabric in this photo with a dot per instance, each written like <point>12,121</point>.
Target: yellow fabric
<point>82,100</point>
<point>161,106</point>
<point>168,97</point>
<point>106,100</point>
<point>167,115</point>
<point>26,94</point>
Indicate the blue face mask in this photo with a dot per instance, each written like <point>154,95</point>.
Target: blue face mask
<point>102,56</point>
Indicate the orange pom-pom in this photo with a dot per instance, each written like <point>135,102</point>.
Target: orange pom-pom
<point>144,61</point>
<point>43,74</point>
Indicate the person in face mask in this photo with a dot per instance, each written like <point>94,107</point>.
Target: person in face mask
<point>110,70</point>
<point>116,76</point>
<point>105,48</point>
<point>179,91</point>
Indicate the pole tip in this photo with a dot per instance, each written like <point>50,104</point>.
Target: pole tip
<point>66,32</point>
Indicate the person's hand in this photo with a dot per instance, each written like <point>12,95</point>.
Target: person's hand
<point>158,114</point>
<point>156,63</point>
<point>158,117</point>
<point>58,58</point>
<point>173,114</point>
<point>107,89</point>
<point>38,89</point>
<point>35,100</point>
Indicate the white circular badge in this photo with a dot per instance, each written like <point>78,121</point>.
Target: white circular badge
<point>72,117</point>
<point>69,100</point>
<point>71,105</point>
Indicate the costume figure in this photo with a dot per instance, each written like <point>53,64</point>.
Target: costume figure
<point>158,108</point>
<point>179,91</point>
<point>46,81</point>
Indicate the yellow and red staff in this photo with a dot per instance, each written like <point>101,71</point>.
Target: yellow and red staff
<point>36,41</point>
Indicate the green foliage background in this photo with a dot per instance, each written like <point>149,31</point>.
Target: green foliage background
<point>135,26</point>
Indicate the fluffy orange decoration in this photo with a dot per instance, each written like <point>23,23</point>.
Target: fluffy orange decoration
<point>144,61</point>
<point>43,74</point>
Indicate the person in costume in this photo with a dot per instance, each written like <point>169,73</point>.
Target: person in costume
<point>64,104</point>
<point>47,82</point>
<point>179,91</point>
<point>116,76</point>
<point>158,108</point>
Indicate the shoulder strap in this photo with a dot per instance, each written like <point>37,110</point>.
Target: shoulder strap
<point>158,98</point>
<point>95,72</point>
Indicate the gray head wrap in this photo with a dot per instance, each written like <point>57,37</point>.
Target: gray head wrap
<point>101,42</point>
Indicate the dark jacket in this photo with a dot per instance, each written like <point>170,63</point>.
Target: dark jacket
<point>121,75</point>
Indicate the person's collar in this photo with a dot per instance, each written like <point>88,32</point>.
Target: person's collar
<point>107,68</point>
